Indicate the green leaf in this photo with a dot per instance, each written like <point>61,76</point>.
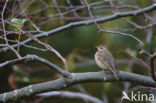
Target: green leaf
<point>18,22</point>
<point>134,52</point>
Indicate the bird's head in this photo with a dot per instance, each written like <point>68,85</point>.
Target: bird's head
<point>101,48</point>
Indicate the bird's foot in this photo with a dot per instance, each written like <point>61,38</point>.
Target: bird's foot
<point>105,71</point>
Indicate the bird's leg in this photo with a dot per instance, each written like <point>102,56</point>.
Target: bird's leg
<point>105,71</point>
<point>115,74</point>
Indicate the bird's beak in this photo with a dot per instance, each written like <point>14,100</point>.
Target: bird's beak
<point>96,47</point>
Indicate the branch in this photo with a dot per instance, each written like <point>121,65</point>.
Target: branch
<point>152,66</point>
<point>50,48</point>
<point>101,30</point>
<point>5,37</point>
<point>125,34</point>
<point>36,58</point>
<point>75,24</point>
<point>62,83</point>
<point>70,95</point>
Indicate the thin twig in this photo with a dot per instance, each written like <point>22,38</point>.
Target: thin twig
<point>50,48</point>
<point>33,47</point>
<point>125,34</point>
<point>143,51</point>
<point>58,9</point>
<point>140,60</point>
<point>5,37</point>
<point>87,22</point>
<point>101,30</point>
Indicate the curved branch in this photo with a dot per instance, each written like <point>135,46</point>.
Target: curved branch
<point>125,34</point>
<point>152,59</point>
<point>36,58</point>
<point>70,95</point>
<point>62,83</point>
<point>75,24</point>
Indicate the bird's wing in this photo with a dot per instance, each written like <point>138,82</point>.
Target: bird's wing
<point>109,61</point>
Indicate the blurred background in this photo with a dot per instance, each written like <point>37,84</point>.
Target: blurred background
<point>77,44</point>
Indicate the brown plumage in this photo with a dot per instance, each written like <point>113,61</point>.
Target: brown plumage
<point>105,60</point>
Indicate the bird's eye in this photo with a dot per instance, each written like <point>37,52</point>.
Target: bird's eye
<point>101,48</point>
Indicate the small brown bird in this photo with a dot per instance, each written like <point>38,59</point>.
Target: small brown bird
<point>105,60</point>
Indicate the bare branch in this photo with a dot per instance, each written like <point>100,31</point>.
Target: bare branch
<point>125,34</point>
<point>101,30</point>
<point>33,47</point>
<point>5,37</point>
<point>2,15</point>
<point>70,4</point>
<point>141,87</point>
<point>139,60</point>
<point>143,51</point>
<point>71,95</point>
<point>36,58</point>
<point>50,48</point>
<point>87,22</point>
<point>76,78</point>
<point>152,59</point>
<point>58,9</point>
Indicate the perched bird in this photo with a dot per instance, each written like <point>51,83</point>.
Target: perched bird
<point>105,60</point>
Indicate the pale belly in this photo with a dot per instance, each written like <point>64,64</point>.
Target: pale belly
<point>100,64</point>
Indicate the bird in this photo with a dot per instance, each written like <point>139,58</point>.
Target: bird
<point>105,60</point>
